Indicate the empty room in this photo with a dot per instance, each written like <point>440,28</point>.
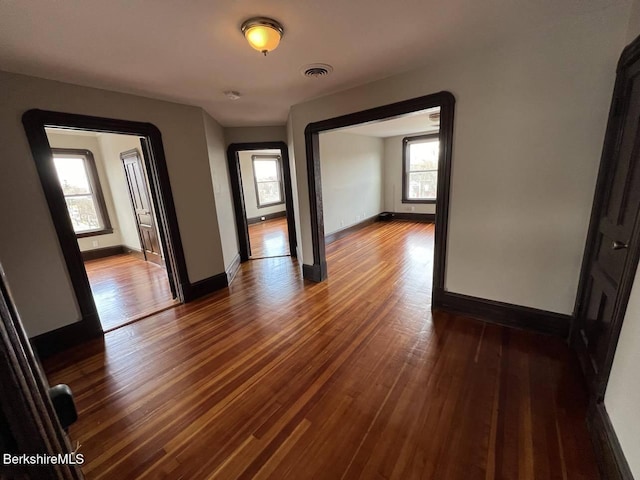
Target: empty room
<point>341,240</point>
<point>111,208</point>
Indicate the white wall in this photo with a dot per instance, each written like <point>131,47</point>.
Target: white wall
<point>221,188</point>
<point>248,186</point>
<point>112,146</point>
<point>393,179</point>
<point>623,391</point>
<point>633,28</point>
<point>352,169</point>
<point>29,248</point>
<point>84,142</point>
<point>294,188</point>
<point>529,124</point>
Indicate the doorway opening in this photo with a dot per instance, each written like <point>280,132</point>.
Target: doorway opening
<point>418,178</point>
<point>262,194</point>
<point>266,211</point>
<point>103,179</point>
<point>113,211</point>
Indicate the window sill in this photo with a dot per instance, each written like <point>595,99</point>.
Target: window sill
<point>271,204</point>
<point>104,231</point>
<point>425,202</point>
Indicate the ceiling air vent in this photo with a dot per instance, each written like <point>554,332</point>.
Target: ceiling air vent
<point>316,70</point>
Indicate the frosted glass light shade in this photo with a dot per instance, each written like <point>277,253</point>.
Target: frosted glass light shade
<point>263,34</point>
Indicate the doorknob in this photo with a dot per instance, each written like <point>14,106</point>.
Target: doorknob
<point>618,245</point>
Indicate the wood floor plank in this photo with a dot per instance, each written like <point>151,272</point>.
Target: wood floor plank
<point>269,238</point>
<point>126,288</point>
<point>280,378</point>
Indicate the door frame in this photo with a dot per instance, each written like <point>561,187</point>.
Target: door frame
<point>446,101</point>
<point>613,136</point>
<point>34,122</point>
<point>235,177</point>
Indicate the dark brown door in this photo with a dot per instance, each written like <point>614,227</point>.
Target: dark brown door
<point>141,202</point>
<point>609,265</point>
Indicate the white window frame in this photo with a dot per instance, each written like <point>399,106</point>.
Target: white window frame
<point>406,142</point>
<point>96,190</point>
<point>278,161</point>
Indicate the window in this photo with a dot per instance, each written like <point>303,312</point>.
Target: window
<point>79,181</point>
<point>268,179</point>
<point>420,168</point>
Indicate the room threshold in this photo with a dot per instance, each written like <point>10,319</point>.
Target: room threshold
<point>143,316</point>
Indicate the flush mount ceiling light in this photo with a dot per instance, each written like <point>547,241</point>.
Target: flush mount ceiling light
<point>262,33</point>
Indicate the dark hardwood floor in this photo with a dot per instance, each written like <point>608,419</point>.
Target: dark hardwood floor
<point>126,288</point>
<point>269,238</point>
<point>278,378</point>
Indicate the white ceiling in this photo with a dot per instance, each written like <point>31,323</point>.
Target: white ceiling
<point>417,122</point>
<point>191,51</point>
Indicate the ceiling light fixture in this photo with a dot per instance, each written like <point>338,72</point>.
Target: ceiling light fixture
<point>262,33</point>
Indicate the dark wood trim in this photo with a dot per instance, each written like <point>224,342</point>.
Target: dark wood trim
<point>630,54</point>
<point>318,272</point>
<point>235,178</point>
<point>29,421</point>
<point>446,102</point>
<point>166,217</point>
<point>102,252</point>
<point>206,286</point>
<point>232,270</point>
<point>502,313</point>
<point>337,235</point>
<point>95,233</point>
<point>405,143</point>
<point>255,180</point>
<point>96,185</point>
<point>611,460</point>
<point>63,338</point>
<point>34,122</point>
<point>267,216</point>
<point>612,140</point>
<point>314,272</point>
<point>239,207</point>
<point>419,202</point>
<point>414,217</point>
